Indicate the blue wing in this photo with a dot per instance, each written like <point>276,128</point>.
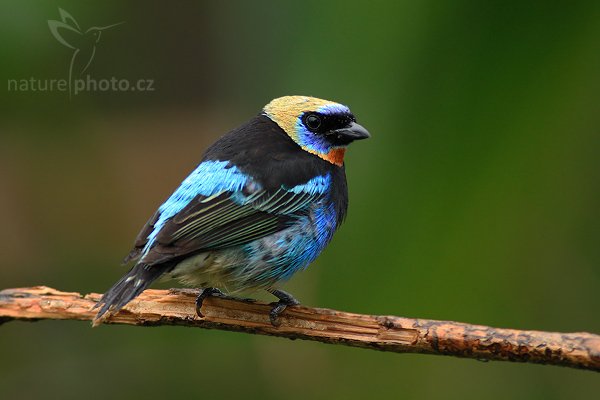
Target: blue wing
<point>218,206</point>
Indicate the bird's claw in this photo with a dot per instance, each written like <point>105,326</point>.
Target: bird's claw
<point>204,293</point>
<point>285,300</point>
<point>278,308</point>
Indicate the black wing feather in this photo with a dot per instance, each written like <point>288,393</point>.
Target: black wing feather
<point>219,221</point>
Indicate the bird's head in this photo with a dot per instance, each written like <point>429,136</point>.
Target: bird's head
<point>321,127</point>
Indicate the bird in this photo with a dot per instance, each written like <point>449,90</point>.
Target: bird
<point>264,201</point>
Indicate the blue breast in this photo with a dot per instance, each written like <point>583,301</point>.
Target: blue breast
<point>279,256</point>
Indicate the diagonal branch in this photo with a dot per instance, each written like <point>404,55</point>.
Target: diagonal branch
<point>386,333</point>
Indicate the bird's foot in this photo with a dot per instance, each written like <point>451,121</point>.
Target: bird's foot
<point>204,293</point>
<point>285,300</point>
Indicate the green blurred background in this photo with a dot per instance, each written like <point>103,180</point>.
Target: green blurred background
<point>476,199</point>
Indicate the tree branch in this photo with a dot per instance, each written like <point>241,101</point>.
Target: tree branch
<point>386,333</point>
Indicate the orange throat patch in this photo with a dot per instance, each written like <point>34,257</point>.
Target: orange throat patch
<point>334,156</point>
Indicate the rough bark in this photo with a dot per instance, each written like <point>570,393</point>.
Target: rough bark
<point>386,333</point>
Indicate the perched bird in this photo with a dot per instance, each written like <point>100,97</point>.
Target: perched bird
<point>262,204</point>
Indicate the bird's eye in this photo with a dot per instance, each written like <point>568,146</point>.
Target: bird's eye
<point>313,122</point>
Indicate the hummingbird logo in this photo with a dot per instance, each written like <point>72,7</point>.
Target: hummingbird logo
<point>83,43</point>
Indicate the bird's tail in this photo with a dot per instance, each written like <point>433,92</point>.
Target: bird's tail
<point>126,289</point>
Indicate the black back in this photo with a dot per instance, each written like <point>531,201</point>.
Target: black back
<point>261,149</point>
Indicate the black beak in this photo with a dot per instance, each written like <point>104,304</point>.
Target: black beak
<point>349,134</point>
